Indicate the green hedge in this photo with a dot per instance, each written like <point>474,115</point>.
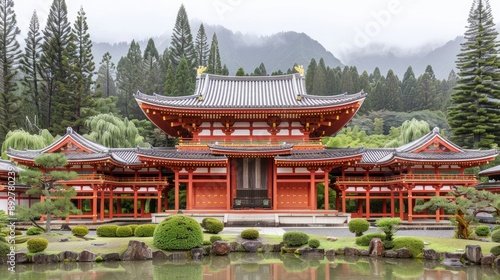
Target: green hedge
<point>358,226</point>
<point>178,232</point>
<point>123,231</point>
<point>34,231</point>
<point>415,245</point>
<point>495,236</point>
<point>214,238</point>
<point>482,230</point>
<point>4,249</point>
<point>295,238</point>
<point>495,251</point>
<point>80,231</point>
<point>146,230</point>
<point>495,228</point>
<point>250,233</point>
<point>37,244</point>
<point>133,227</point>
<point>106,231</point>
<point>365,239</point>
<point>313,243</point>
<point>212,225</point>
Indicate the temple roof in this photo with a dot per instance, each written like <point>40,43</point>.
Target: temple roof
<point>8,166</point>
<point>495,170</point>
<point>262,92</point>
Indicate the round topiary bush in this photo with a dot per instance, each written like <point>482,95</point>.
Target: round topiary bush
<point>34,231</point>
<point>178,232</point>
<point>18,232</point>
<point>295,238</point>
<point>314,243</point>
<point>146,230</point>
<point>212,225</point>
<point>106,231</point>
<point>123,231</point>
<point>358,226</point>
<point>80,231</point>
<point>250,234</point>
<point>133,227</point>
<point>415,245</point>
<point>365,239</point>
<point>4,249</point>
<point>37,244</point>
<point>214,238</point>
<point>495,236</point>
<point>495,251</point>
<point>482,230</point>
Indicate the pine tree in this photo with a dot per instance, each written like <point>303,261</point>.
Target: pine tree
<point>201,45</point>
<point>260,70</point>
<point>9,57</point>
<point>473,116</point>
<point>129,77</point>
<point>152,80</point>
<point>82,69</point>
<point>225,70</point>
<point>183,84</point>
<point>311,71</point>
<point>182,41</point>
<point>214,62</point>
<point>409,90</point>
<point>319,79</point>
<point>240,72</point>
<point>29,65</point>
<point>427,95</point>
<point>164,64</point>
<point>170,82</point>
<point>393,92</point>
<point>105,81</point>
<point>56,39</point>
<point>347,81</point>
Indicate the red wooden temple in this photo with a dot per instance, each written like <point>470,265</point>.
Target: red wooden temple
<point>254,144</point>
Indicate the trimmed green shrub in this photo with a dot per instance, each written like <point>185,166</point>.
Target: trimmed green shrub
<point>178,232</point>
<point>388,244</point>
<point>495,236</point>
<point>495,228</point>
<point>415,245</point>
<point>214,238</point>
<point>482,230</point>
<point>80,231</point>
<point>389,226</point>
<point>358,226</point>
<point>495,251</point>
<point>2,239</point>
<point>123,231</point>
<point>365,239</point>
<point>146,230</point>
<point>34,231</point>
<point>250,234</point>
<point>4,249</point>
<point>295,238</point>
<point>313,243</point>
<point>18,232</point>
<point>99,259</point>
<point>37,244</point>
<point>106,231</point>
<point>212,225</point>
<point>133,227</point>
<point>206,243</point>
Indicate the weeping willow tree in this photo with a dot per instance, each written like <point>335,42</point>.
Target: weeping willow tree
<point>409,131</point>
<point>114,132</point>
<point>20,140</point>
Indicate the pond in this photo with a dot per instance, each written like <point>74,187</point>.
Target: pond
<point>253,266</point>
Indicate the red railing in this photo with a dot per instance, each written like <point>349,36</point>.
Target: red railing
<point>406,178</point>
<point>117,180</point>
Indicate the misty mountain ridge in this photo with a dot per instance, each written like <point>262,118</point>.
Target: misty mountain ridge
<point>281,50</point>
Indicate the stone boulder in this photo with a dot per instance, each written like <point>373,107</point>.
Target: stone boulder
<point>364,253</point>
<point>234,246</point>
<point>453,259</point>
<point>221,248</point>
<point>180,256</point>
<point>86,256</point>
<point>110,257</point>
<point>330,252</point>
<point>496,262</point>
<point>197,253</point>
<point>266,248</point>
<point>21,258</point>
<point>44,258</point>
<point>137,251</point>
<point>473,253</point>
<point>488,259</point>
<point>404,253</point>
<point>351,251</point>
<point>307,251</point>
<point>376,247</point>
<point>430,254</point>
<point>159,255</point>
<point>390,254</point>
<point>251,245</point>
<point>68,255</point>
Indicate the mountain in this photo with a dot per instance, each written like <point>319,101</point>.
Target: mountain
<point>278,51</point>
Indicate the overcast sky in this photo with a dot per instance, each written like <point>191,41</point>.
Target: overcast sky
<point>342,27</point>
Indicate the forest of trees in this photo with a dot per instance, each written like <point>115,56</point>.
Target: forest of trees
<point>54,83</point>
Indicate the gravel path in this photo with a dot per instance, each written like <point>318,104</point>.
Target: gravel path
<point>344,232</point>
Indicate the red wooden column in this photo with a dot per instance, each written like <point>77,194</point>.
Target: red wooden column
<point>176,184</point>
<point>312,187</point>
<point>189,190</point>
<point>101,214</point>
<point>275,188</point>
<point>110,204</point>
<point>135,200</point>
<point>367,201</point>
<point>343,198</point>
<point>94,203</point>
<point>393,207</point>
<point>401,205</point>
<point>410,203</point>
<point>326,182</point>
<point>228,186</point>
<point>159,190</point>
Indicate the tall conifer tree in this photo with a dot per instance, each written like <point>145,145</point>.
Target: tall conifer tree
<point>105,81</point>
<point>183,85</point>
<point>182,40</point>
<point>152,80</point>
<point>473,116</point>
<point>201,46</point>
<point>9,57</point>
<point>30,64</point>
<point>129,77</point>
<point>214,65</point>
<point>409,90</point>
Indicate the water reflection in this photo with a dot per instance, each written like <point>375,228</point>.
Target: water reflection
<point>255,266</point>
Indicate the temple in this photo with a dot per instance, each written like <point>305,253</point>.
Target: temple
<point>253,144</point>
